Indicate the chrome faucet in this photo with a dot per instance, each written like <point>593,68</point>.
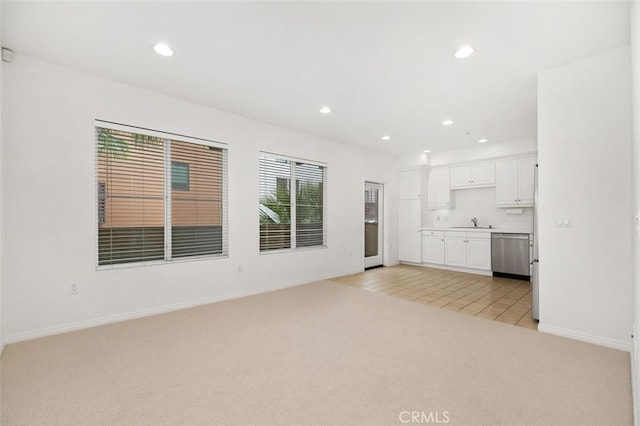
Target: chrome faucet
<point>475,222</point>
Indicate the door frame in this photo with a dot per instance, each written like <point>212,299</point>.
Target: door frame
<point>378,260</point>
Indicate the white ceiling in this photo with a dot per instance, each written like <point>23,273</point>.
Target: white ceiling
<point>383,67</point>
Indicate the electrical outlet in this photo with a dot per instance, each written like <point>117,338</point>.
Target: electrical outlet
<point>239,268</point>
<point>73,288</point>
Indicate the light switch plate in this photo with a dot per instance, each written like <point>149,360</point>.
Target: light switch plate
<point>564,222</point>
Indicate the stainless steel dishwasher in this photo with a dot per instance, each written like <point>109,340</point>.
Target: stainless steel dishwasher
<point>510,255</point>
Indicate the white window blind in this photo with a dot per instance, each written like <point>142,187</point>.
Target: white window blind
<point>144,213</point>
<point>292,206</point>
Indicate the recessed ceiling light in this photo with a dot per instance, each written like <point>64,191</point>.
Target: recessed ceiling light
<point>386,138</point>
<point>463,52</point>
<point>426,151</point>
<point>162,49</point>
<point>325,110</point>
<point>483,140</point>
<point>447,122</point>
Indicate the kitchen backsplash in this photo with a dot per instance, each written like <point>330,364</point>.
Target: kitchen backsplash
<point>481,204</point>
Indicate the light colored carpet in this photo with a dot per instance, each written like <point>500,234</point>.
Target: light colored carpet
<point>318,354</point>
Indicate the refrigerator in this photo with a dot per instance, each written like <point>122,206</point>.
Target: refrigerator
<point>535,274</point>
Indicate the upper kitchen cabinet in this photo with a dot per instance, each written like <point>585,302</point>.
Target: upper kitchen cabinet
<point>473,176</point>
<point>514,182</point>
<point>438,189</point>
<point>409,184</point>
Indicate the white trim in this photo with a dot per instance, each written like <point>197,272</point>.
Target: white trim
<point>65,328</point>
<point>585,337</point>
<point>381,222</point>
<point>168,188</point>
<point>453,268</point>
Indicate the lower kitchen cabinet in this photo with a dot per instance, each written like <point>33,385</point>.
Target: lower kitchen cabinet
<point>468,250</point>
<point>455,249</point>
<point>479,253</point>
<point>433,247</point>
<point>409,247</point>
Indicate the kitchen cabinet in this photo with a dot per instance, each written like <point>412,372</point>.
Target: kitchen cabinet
<point>455,249</point>
<point>473,176</point>
<point>433,247</point>
<point>479,251</point>
<point>468,250</point>
<point>409,223</point>
<point>438,190</point>
<point>514,182</point>
<point>409,183</point>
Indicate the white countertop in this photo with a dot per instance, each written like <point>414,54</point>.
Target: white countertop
<point>492,230</point>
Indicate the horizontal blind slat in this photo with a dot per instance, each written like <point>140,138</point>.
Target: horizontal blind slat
<point>277,196</point>
<point>131,198</point>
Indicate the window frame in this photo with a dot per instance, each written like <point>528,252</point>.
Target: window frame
<point>167,138</point>
<point>293,190</point>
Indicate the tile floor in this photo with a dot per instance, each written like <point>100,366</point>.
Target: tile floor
<point>499,299</point>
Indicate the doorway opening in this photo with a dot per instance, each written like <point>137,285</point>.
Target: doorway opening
<point>373,224</point>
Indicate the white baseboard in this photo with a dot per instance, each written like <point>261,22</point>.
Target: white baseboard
<point>65,328</point>
<point>585,337</point>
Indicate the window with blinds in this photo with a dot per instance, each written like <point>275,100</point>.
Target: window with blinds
<point>292,206</point>
<point>160,196</point>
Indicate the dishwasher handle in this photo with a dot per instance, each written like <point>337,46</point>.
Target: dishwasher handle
<point>511,236</point>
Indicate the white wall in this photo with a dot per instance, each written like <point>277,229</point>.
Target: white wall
<point>635,64</point>
<point>1,192</point>
<point>584,152</point>
<point>481,204</point>
<point>477,153</point>
<point>484,151</point>
<point>48,159</point>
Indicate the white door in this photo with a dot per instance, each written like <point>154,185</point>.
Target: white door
<point>483,174</point>
<point>455,251</point>
<point>460,176</point>
<point>433,249</point>
<point>438,190</point>
<point>526,168</point>
<point>373,196</point>
<point>409,181</point>
<point>410,245</point>
<point>506,183</point>
<point>479,253</point>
